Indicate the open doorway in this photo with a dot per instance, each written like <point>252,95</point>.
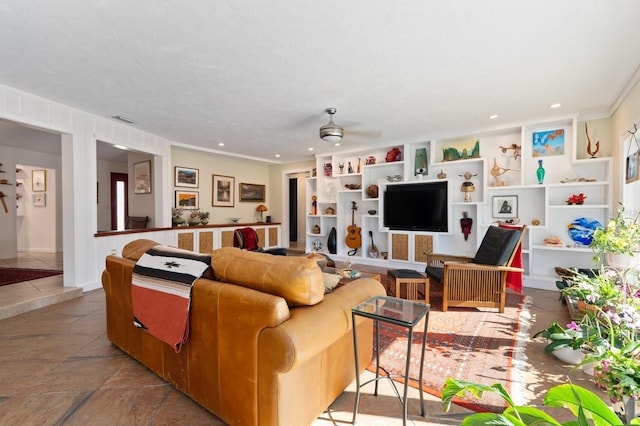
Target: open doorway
<point>296,208</point>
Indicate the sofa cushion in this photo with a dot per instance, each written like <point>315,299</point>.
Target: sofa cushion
<point>296,279</point>
<point>330,281</point>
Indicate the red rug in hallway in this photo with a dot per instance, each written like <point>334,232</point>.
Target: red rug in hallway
<point>478,345</point>
<point>17,275</point>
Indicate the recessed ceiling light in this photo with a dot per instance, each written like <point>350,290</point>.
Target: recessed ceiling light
<point>123,118</point>
<point>493,116</point>
<point>336,144</point>
<point>221,144</point>
<point>310,149</point>
<point>277,155</point>
<point>555,105</point>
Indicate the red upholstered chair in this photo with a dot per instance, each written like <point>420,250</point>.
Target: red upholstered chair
<point>479,281</point>
<point>247,239</point>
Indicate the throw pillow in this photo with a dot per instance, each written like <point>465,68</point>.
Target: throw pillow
<point>330,281</point>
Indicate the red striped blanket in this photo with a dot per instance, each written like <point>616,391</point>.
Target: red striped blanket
<point>161,292</point>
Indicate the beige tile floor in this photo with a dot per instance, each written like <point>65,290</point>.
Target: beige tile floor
<point>58,368</point>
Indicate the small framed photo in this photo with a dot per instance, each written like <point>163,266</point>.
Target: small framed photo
<point>186,177</point>
<point>188,200</point>
<point>252,192</point>
<point>504,206</point>
<point>632,167</point>
<point>223,187</point>
<point>142,177</point>
<point>38,180</point>
<point>39,200</point>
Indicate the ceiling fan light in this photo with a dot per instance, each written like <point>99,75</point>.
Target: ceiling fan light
<point>331,132</point>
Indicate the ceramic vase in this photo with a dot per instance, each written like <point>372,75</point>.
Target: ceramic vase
<point>332,241</point>
<point>540,172</point>
<point>569,355</point>
<point>622,262</point>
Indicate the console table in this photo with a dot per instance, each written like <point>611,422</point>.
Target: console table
<point>404,313</point>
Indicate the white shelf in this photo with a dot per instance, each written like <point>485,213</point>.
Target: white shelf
<point>555,248</point>
<point>579,206</point>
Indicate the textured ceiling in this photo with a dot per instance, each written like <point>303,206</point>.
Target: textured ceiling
<point>257,75</point>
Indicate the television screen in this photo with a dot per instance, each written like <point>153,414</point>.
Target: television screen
<point>416,207</point>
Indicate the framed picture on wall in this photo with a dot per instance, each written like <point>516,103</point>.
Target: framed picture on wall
<point>142,177</point>
<point>186,177</point>
<point>632,167</point>
<point>39,200</point>
<point>188,200</point>
<point>38,180</point>
<point>252,192</point>
<point>504,206</point>
<point>222,189</point>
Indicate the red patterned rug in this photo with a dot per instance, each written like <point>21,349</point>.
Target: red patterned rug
<point>473,344</point>
<point>17,275</point>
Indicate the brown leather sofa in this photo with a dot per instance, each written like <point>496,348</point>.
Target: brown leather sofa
<point>252,358</point>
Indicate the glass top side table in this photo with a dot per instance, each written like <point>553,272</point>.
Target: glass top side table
<point>404,313</point>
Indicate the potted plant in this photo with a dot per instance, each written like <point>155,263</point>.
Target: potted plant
<point>176,216</point>
<point>204,218</point>
<point>591,288</point>
<point>617,242</point>
<point>576,199</point>
<point>194,217</point>
<point>584,404</point>
<point>572,343</point>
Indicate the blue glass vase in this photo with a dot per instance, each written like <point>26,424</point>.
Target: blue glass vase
<point>540,172</point>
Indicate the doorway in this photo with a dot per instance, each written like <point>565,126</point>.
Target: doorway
<point>119,200</point>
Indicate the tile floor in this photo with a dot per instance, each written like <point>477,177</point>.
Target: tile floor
<point>58,368</point>
<point>26,296</point>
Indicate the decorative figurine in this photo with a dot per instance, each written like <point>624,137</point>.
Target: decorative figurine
<point>341,166</point>
<point>465,223</point>
<point>314,205</point>
<point>589,151</point>
<point>467,186</point>
<point>497,171</point>
<point>441,175</point>
<point>394,155</point>
<point>349,169</point>
<point>328,169</point>
<point>516,150</point>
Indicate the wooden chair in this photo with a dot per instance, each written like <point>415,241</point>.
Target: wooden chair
<point>479,281</point>
<point>136,222</point>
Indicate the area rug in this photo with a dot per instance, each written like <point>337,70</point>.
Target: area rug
<point>473,344</point>
<point>17,275</point>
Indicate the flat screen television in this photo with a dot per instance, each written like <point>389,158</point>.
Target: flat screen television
<point>416,207</point>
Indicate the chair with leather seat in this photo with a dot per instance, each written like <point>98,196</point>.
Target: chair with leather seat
<point>247,239</point>
<point>479,281</point>
<point>136,222</point>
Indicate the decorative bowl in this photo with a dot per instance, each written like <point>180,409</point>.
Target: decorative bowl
<point>372,212</point>
<point>581,230</point>
<point>234,219</point>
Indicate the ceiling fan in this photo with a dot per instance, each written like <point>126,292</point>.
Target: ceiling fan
<point>331,132</point>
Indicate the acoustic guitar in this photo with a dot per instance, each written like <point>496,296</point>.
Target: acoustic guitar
<point>353,239</point>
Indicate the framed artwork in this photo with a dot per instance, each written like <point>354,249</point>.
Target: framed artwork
<point>549,142</point>
<point>461,150</point>
<point>222,189</point>
<point>142,177</point>
<point>39,200</point>
<point>186,177</point>
<point>504,206</point>
<point>252,192</point>
<point>188,200</point>
<point>38,180</point>
<point>632,167</point>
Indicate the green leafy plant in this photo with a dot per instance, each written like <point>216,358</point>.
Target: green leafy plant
<point>602,288</point>
<point>584,404</point>
<point>620,236</point>
<point>618,371</point>
<point>587,335</point>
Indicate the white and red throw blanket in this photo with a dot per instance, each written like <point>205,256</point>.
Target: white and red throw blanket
<point>161,292</point>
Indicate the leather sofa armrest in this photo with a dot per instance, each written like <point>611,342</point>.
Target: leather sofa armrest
<point>312,328</point>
